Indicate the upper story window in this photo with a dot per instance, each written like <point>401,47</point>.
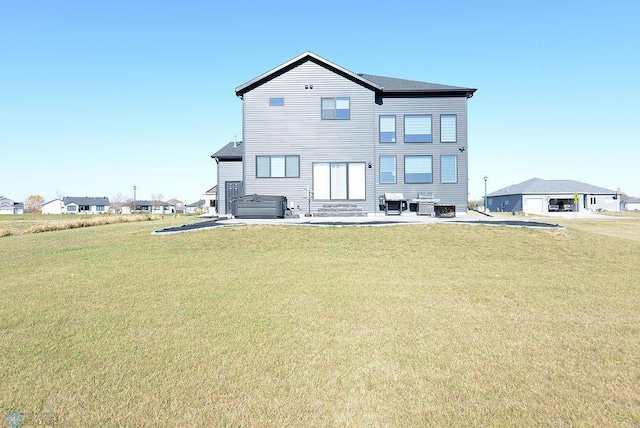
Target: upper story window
<point>336,108</point>
<point>418,169</point>
<point>277,102</point>
<point>448,169</point>
<point>448,128</point>
<point>387,129</point>
<point>277,166</point>
<point>417,128</point>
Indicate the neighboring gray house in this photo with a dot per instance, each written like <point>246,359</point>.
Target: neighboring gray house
<point>314,129</point>
<point>538,196</point>
<point>7,206</point>
<point>155,207</point>
<point>77,205</point>
<point>193,207</point>
<point>630,204</point>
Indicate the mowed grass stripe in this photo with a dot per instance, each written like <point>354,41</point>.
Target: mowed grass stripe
<point>267,325</point>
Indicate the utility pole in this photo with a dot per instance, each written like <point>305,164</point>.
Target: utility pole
<point>485,193</point>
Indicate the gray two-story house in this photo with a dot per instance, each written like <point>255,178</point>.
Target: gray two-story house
<point>314,130</point>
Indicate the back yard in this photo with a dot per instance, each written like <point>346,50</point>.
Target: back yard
<point>434,324</point>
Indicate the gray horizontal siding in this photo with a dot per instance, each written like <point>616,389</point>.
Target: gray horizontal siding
<point>448,193</point>
<point>227,171</point>
<point>297,129</point>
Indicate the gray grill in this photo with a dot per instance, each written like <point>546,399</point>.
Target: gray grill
<point>394,203</point>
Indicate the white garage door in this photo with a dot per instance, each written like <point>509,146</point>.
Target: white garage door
<point>534,206</point>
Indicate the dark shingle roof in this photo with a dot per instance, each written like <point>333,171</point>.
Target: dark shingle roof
<point>152,203</point>
<point>379,84</point>
<point>392,85</point>
<point>540,186</point>
<point>86,200</point>
<point>232,151</point>
<point>196,204</point>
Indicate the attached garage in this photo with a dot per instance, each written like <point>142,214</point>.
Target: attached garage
<point>534,205</point>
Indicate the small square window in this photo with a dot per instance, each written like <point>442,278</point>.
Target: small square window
<point>276,102</point>
<point>336,108</point>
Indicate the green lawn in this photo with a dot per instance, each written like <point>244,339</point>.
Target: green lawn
<point>298,326</point>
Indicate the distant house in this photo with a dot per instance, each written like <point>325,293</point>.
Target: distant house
<point>7,206</point>
<point>193,208</point>
<point>538,196</point>
<point>630,204</point>
<point>155,207</point>
<point>178,205</point>
<point>77,205</point>
<point>210,200</point>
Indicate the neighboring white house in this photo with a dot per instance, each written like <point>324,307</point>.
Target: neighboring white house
<point>178,205</point>
<point>7,206</point>
<point>538,196</point>
<point>210,198</point>
<point>77,205</point>
<point>630,204</point>
<point>55,206</point>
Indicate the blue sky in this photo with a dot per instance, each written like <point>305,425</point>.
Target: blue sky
<point>96,96</point>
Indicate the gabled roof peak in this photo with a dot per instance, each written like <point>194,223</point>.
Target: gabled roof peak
<point>294,62</point>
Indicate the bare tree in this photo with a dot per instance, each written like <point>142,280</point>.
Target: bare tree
<point>157,197</point>
<point>33,204</point>
<point>59,194</point>
<point>117,202</point>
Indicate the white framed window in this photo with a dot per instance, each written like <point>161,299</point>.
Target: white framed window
<point>387,169</point>
<point>387,129</point>
<point>339,180</point>
<point>277,166</point>
<point>418,169</point>
<point>417,128</point>
<point>449,169</point>
<point>336,108</point>
<point>448,128</point>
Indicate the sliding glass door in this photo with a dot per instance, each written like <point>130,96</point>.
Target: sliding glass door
<point>339,180</point>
